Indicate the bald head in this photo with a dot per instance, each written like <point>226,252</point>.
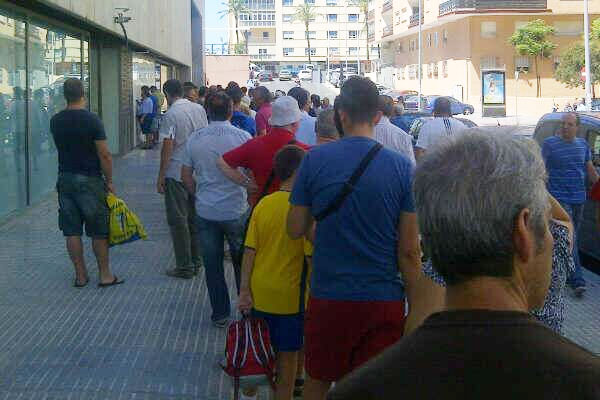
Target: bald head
<point>570,124</point>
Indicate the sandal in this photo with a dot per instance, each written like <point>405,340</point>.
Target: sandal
<point>81,285</point>
<point>115,281</point>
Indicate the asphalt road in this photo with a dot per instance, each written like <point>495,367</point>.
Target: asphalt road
<point>314,88</point>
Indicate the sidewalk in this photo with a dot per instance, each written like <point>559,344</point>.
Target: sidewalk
<point>150,338</point>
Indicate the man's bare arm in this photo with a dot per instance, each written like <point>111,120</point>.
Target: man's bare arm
<point>187,176</point>
<point>105,162</point>
<point>419,152</point>
<point>592,173</point>
<point>424,296</point>
<point>165,156</point>
<point>245,301</point>
<point>236,175</point>
<point>299,221</point>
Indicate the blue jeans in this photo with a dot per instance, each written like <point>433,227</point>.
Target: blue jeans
<point>212,235</point>
<point>576,213</point>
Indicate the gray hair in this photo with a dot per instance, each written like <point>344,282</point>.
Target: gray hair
<point>468,193</point>
<point>325,125</point>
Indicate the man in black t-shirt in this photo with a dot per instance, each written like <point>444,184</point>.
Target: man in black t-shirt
<point>84,176</point>
<point>495,254</point>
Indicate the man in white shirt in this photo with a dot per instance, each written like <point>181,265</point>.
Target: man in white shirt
<point>388,134</point>
<point>439,129</point>
<point>181,119</point>
<point>306,131</point>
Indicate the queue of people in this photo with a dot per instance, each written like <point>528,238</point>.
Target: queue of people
<point>327,214</point>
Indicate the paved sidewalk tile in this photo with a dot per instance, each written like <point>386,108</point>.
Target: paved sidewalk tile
<point>150,338</point>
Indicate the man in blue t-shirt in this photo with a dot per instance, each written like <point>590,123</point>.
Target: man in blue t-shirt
<point>239,119</point>
<point>366,254</point>
<point>569,161</point>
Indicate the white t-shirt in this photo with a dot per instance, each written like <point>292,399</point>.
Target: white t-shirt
<point>438,130</point>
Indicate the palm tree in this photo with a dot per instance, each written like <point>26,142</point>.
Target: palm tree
<point>364,9</point>
<point>306,13</point>
<point>235,8</point>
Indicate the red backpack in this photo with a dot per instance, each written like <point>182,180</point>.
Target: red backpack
<point>250,359</point>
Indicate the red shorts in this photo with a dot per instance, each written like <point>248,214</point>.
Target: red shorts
<point>342,335</point>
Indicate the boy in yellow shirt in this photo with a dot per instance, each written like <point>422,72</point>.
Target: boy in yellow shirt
<point>274,273</point>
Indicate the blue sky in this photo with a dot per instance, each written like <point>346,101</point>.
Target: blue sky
<point>216,28</point>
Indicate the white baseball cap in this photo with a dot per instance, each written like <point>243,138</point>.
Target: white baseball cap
<point>285,111</point>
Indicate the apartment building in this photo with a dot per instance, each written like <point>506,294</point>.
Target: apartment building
<point>43,43</point>
<point>277,39</point>
<point>464,41</point>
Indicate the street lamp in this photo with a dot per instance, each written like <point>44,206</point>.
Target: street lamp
<point>588,63</point>
<point>246,36</point>
<point>420,54</point>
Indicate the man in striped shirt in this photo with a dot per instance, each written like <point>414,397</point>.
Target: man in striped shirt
<point>442,126</point>
<point>569,162</point>
<point>388,134</point>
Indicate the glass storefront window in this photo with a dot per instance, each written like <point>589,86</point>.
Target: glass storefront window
<point>35,60</point>
<point>54,56</point>
<point>13,177</point>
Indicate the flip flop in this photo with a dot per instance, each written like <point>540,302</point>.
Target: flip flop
<point>81,285</point>
<point>115,281</point>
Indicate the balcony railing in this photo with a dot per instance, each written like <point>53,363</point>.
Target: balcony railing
<point>387,31</point>
<point>256,23</point>
<point>414,20</point>
<point>457,6</point>
<point>262,56</point>
<point>387,5</point>
<point>371,15</point>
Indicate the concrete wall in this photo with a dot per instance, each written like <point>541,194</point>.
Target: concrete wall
<point>173,40</point>
<point>222,69</point>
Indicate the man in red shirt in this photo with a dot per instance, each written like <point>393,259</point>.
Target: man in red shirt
<point>263,99</point>
<point>257,154</point>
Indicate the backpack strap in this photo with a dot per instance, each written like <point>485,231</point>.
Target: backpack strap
<point>348,187</point>
<point>271,177</point>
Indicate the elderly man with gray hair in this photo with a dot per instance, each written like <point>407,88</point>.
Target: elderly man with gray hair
<point>483,211</point>
<point>325,127</point>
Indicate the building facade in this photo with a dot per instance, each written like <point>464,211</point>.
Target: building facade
<point>277,39</point>
<point>43,43</point>
<point>463,40</point>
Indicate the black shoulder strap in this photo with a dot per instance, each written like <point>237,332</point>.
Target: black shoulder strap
<point>349,186</point>
<point>271,177</point>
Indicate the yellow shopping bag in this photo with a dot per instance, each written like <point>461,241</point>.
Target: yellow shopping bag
<point>124,225</point>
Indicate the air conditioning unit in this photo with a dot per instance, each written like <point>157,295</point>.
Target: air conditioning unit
<point>522,64</point>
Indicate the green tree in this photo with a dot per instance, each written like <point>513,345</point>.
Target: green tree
<point>240,48</point>
<point>572,61</point>
<point>235,8</point>
<point>364,9</point>
<point>595,30</point>
<point>532,40</point>
<point>306,14</point>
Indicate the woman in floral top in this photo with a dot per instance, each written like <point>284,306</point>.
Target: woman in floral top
<point>552,313</point>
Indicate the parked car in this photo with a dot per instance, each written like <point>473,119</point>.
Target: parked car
<point>334,78</point>
<point>305,75</point>
<point>265,76</point>
<point>589,129</point>
<point>418,119</point>
<point>383,89</point>
<point>285,75</point>
<point>411,103</point>
<point>428,102</point>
